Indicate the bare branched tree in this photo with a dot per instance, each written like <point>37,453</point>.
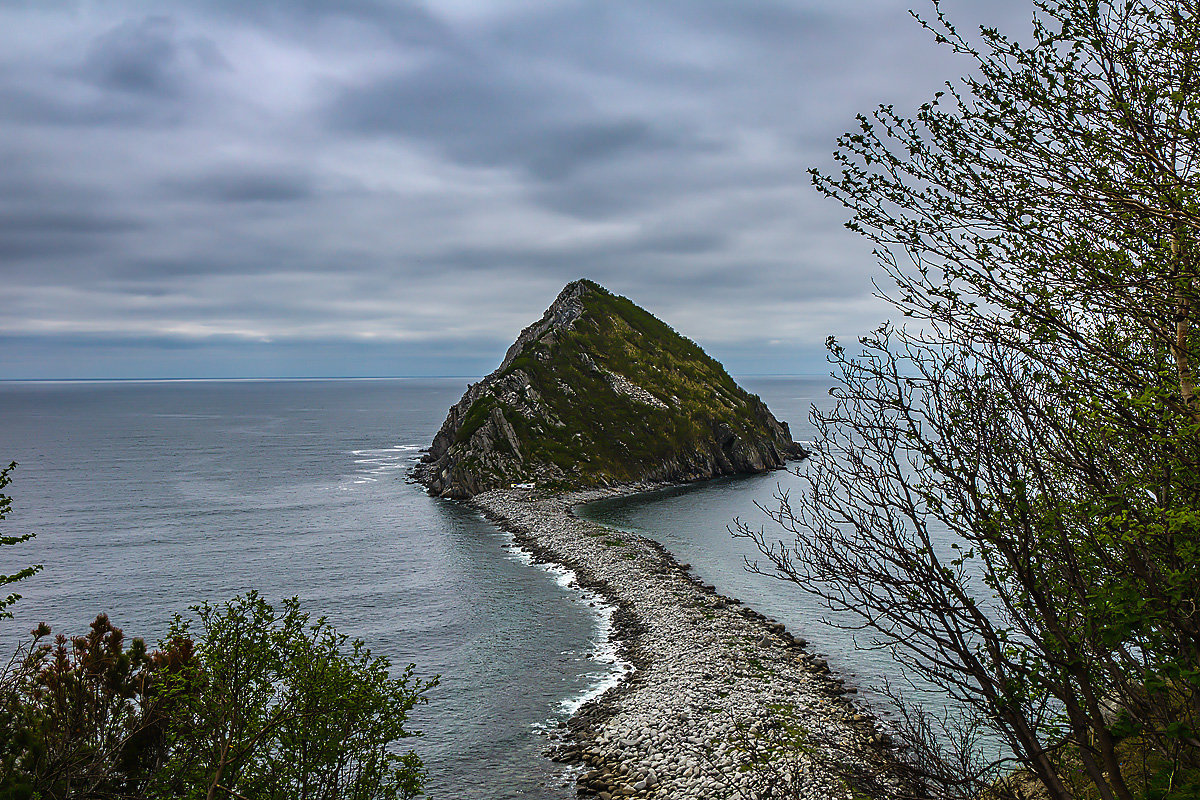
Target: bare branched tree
<point>1006,493</point>
<point>24,572</point>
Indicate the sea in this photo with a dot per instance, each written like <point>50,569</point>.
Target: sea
<point>147,497</point>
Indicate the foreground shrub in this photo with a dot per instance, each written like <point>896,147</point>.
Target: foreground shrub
<point>240,700</point>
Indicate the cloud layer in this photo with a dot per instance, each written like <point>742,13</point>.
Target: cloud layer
<point>216,187</point>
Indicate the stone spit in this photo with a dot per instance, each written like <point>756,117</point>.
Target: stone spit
<point>710,680</point>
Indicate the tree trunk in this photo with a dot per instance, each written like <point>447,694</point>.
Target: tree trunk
<point>1181,348</point>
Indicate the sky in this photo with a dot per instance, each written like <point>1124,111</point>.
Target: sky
<point>223,188</point>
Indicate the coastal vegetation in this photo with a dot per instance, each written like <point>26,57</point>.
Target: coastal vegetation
<point>239,700</point>
<point>601,392</point>
<point>624,339</point>
<point>5,541</point>
<point>1007,492</point>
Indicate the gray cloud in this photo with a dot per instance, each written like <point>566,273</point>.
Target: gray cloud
<point>403,22</point>
<point>423,177</point>
<point>144,71</point>
<point>145,57</point>
<point>249,186</point>
<point>561,152</point>
<point>47,233</point>
<point>473,113</point>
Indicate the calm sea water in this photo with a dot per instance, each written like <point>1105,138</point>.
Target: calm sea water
<point>693,523</point>
<point>147,497</point>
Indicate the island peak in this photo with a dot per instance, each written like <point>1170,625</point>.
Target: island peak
<point>599,392</point>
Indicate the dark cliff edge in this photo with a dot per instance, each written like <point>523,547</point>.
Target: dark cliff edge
<point>600,392</point>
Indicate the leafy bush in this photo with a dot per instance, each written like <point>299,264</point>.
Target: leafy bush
<point>20,574</point>
<point>241,700</point>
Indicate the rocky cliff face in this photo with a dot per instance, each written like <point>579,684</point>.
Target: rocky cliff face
<point>598,391</point>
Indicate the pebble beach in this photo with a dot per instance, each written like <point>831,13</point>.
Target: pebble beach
<point>720,702</point>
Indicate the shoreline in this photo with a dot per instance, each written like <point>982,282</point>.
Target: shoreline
<point>715,686</point>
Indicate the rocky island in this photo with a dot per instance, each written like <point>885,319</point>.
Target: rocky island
<point>600,392</point>
<point>600,398</point>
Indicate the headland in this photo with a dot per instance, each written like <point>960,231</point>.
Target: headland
<point>600,398</point>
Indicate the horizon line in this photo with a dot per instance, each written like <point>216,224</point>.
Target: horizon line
<point>282,378</point>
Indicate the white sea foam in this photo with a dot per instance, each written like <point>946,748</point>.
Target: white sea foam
<point>373,462</point>
<point>518,554</point>
<point>604,652</point>
<point>562,576</point>
<point>603,643</point>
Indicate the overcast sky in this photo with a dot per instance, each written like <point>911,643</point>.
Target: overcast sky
<point>235,188</point>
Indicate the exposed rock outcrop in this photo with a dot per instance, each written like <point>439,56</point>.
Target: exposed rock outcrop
<point>597,392</point>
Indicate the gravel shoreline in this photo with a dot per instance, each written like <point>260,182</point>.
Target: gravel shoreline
<point>711,679</point>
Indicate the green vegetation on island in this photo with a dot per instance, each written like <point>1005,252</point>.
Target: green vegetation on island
<point>599,392</point>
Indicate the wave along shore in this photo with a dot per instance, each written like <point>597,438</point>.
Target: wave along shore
<point>710,676</point>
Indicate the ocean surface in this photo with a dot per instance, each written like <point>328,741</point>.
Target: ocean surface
<point>148,497</point>
<point>693,523</point>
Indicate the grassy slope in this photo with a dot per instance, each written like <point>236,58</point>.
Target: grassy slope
<point>608,436</point>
